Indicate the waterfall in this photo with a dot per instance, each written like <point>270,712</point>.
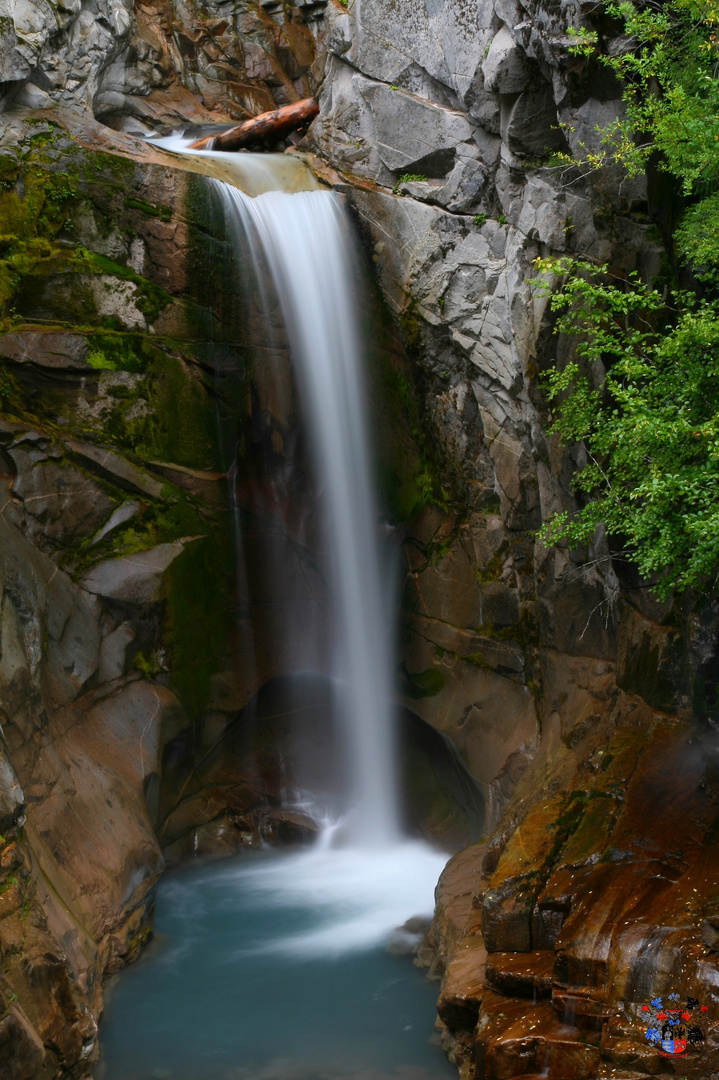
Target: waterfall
<point>294,251</point>
<point>304,241</point>
<point>302,933</point>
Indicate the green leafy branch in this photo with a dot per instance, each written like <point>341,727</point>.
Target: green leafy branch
<point>642,396</point>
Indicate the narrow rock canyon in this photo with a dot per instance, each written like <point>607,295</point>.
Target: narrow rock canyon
<point>558,721</point>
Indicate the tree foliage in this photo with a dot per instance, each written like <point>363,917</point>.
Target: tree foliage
<point>643,392</point>
<point>651,426</point>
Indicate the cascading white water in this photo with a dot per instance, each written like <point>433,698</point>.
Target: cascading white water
<point>303,239</point>
<point>363,878</point>
<point>300,934</point>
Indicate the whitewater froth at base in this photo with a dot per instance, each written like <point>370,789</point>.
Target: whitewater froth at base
<point>353,897</point>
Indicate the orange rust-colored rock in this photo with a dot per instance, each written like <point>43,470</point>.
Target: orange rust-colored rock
<point>510,900</point>
<point>601,890</point>
<point>515,1037</point>
<point>458,898</point>
<point>521,974</point>
<point>463,985</point>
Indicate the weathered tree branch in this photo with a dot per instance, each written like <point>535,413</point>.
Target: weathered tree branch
<point>274,124</point>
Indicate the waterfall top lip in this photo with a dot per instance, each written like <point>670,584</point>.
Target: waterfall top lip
<point>252,173</point>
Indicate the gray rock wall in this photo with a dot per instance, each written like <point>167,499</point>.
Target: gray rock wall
<point>141,65</point>
<point>445,122</point>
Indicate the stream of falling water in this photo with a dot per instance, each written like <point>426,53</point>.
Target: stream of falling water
<point>336,903</point>
<point>303,238</point>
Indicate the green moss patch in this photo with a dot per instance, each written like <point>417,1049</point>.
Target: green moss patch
<point>164,213</point>
<point>145,396</point>
<point>407,475</point>
<point>43,181</point>
<point>424,684</point>
<point>150,299</point>
<point>119,352</point>
<point>198,617</point>
<point>185,431</point>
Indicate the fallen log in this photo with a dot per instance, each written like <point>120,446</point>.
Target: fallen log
<point>275,125</point>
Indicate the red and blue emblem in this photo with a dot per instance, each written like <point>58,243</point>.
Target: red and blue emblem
<point>674,1028</point>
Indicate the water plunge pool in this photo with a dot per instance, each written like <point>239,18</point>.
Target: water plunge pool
<point>273,965</point>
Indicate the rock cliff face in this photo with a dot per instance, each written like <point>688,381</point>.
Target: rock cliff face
<point>446,120</point>
<point>572,696</point>
<point>143,64</point>
<point>107,436</point>
<point>139,688</point>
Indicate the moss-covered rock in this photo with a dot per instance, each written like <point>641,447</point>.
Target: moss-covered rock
<point>115,558</point>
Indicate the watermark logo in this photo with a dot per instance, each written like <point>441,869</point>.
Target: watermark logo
<point>674,1028</point>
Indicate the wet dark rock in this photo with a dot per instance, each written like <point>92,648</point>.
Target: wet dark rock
<point>110,465</point>
<point>239,787</point>
<point>635,916</point>
<point>46,349</point>
<point>21,1047</point>
<point>521,974</point>
<point>651,661</point>
<point>66,505</point>
<point>503,785</point>
<point>710,936</point>
<point>532,126</point>
<point>134,579</point>
<point>12,799</point>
